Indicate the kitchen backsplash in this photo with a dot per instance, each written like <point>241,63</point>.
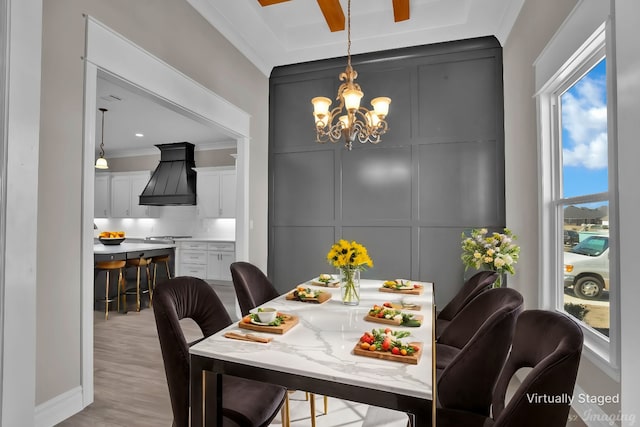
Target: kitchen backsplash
<point>173,221</point>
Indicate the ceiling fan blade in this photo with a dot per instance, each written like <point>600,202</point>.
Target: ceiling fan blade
<point>400,10</point>
<point>270,2</point>
<point>333,14</point>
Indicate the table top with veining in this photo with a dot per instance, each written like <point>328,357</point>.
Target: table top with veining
<point>321,344</point>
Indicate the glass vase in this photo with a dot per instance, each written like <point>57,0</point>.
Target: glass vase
<point>350,286</point>
<point>501,281</point>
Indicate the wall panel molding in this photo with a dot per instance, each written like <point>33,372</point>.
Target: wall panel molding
<point>438,171</point>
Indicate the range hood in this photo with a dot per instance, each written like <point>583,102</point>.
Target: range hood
<point>174,180</point>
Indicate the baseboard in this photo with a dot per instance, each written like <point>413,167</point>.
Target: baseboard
<point>58,409</point>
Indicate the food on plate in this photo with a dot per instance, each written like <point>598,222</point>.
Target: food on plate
<point>303,293</point>
<point>111,234</point>
<point>325,278</point>
<point>386,312</point>
<point>387,340</point>
<point>253,318</point>
<point>401,284</point>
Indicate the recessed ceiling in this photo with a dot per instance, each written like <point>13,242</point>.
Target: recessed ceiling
<point>132,111</point>
<point>295,31</point>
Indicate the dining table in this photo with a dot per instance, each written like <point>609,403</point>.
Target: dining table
<point>318,355</point>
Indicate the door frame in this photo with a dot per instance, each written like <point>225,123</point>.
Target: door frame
<point>110,54</point>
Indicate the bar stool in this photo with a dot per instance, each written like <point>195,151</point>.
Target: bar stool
<point>108,267</point>
<point>157,260</point>
<point>138,263</point>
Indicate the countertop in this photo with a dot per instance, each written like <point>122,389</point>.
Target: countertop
<point>204,239</point>
<point>125,247</point>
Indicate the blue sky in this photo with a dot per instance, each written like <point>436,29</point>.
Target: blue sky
<point>584,134</point>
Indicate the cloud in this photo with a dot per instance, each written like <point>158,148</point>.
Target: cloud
<point>584,118</point>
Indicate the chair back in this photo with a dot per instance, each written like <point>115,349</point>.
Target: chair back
<point>173,300</point>
<point>252,287</point>
<point>551,344</point>
<point>475,285</point>
<point>483,331</point>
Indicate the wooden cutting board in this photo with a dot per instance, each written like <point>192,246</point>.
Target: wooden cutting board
<point>414,291</point>
<point>387,355</point>
<point>394,322</point>
<point>415,307</point>
<point>322,297</point>
<point>290,322</point>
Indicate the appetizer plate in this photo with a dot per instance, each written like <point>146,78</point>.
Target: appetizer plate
<point>289,322</point>
<point>333,282</point>
<point>308,295</point>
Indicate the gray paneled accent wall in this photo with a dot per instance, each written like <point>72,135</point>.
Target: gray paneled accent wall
<point>438,171</point>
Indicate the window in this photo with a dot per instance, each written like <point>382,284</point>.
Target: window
<point>577,204</point>
<point>582,200</point>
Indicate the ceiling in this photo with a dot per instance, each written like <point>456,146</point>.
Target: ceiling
<point>132,111</point>
<point>295,31</point>
<point>289,32</point>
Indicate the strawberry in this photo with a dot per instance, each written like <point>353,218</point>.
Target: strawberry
<point>386,344</point>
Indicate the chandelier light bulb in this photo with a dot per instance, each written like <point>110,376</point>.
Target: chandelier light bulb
<point>381,106</point>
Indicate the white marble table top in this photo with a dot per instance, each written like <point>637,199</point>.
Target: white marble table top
<point>320,345</point>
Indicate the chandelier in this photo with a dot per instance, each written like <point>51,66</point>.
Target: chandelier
<point>356,122</point>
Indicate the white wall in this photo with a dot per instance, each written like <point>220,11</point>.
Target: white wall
<point>19,210</point>
<point>535,26</point>
<point>175,33</point>
<point>626,23</point>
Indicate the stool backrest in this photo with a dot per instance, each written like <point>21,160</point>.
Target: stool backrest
<point>475,285</point>
<point>483,330</point>
<point>176,299</point>
<point>252,287</point>
<point>551,344</point>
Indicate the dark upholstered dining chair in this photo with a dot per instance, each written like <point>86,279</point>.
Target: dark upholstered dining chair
<point>472,350</point>
<point>551,344</point>
<point>252,287</point>
<point>471,288</point>
<point>246,403</point>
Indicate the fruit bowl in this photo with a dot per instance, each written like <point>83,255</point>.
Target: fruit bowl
<point>111,240</point>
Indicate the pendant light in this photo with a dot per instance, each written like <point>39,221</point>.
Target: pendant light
<point>101,162</point>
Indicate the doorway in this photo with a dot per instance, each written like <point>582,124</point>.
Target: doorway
<point>110,54</point>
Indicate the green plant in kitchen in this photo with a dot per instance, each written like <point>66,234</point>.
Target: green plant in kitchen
<point>496,252</point>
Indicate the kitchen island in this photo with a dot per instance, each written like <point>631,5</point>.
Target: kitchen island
<point>134,249</point>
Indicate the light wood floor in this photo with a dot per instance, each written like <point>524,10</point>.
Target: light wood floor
<point>130,387</point>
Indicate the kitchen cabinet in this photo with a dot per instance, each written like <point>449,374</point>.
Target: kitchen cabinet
<point>220,257</point>
<point>216,193</point>
<point>126,188</point>
<point>192,259</point>
<point>206,260</point>
<point>102,196</point>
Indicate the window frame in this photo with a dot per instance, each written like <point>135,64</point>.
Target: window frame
<point>602,351</point>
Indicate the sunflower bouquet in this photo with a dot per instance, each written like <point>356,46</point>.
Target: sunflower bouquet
<point>350,258</point>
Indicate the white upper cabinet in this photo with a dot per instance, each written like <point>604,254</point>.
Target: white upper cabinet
<point>126,188</point>
<point>216,193</point>
<point>102,196</point>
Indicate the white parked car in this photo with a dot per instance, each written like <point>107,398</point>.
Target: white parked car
<point>586,267</point>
